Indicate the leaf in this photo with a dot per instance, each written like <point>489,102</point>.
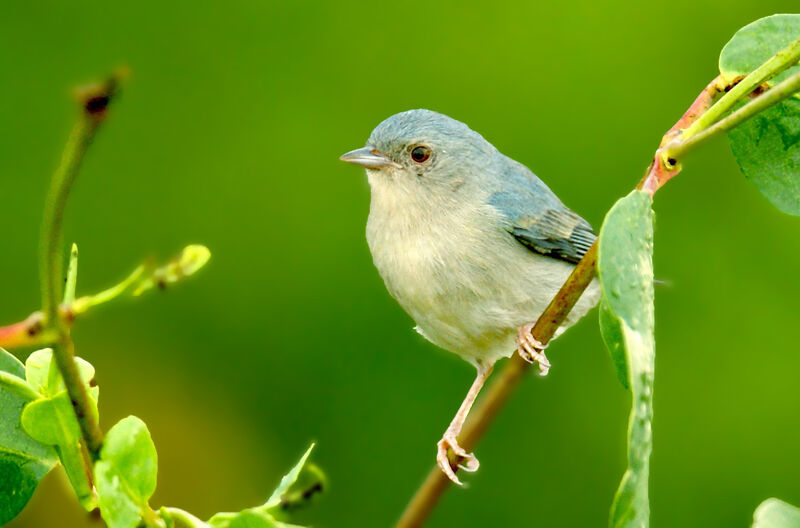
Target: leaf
<point>774,513</point>
<point>42,374</point>
<point>756,43</point>
<point>611,331</point>
<point>9,363</point>
<point>191,259</point>
<point>72,276</point>
<point>125,475</point>
<point>52,421</point>
<point>288,480</point>
<point>309,484</point>
<point>51,418</point>
<point>23,460</point>
<point>625,270</point>
<point>251,518</point>
<point>767,148</point>
<point>301,482</point>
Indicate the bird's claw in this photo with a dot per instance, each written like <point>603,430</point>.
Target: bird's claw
<point>532,350</point>
<point>463,460</point>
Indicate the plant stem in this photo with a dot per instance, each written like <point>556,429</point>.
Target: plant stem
<point>185,518</point>
<point>678,149</point>
<point>782,60</point>
<point>94,103</point>
<point>660,171</point>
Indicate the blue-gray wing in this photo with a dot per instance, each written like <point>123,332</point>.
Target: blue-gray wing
<point>538,219</point>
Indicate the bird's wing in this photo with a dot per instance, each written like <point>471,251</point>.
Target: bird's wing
<point>538,219</point>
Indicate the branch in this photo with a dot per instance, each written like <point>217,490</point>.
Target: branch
<point>33,332</point>
<point>679,148</point>
<point>665,166</point>
<point>782,60</point>
<point>94,104</point>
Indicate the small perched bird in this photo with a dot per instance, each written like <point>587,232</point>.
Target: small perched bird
<point>470,243</point>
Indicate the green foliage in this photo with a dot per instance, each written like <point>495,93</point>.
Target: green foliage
<point>125,478</point>
<point>50,419</point>
<point>767,147</point>
<point>774,513</point>
<point>756,43</point>
<point>146,277</point>
<point>298,485</point>
<point>42,374</point>
<point>125,475</point>
<point>625,270</point>
<point>23,460</point>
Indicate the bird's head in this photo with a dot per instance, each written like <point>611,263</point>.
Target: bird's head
<point>423,149</point>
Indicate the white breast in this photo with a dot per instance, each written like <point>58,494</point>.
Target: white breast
<point>466,282</point>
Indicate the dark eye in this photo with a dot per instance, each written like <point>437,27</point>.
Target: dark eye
<point>420,153</point>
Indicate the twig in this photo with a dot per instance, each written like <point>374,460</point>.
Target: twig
<point>665,165</point>
<point>782,60</point>
<point>678,149</point>
<point>94,103</point>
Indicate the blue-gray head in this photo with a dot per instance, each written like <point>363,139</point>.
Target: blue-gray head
<point>425,146</point>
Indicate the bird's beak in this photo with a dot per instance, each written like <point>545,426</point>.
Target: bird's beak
<point>368,157</point>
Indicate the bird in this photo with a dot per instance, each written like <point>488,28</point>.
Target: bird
<point>471,244</point>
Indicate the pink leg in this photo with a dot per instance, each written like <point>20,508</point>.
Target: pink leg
<point>532,350</point>
<point>466,461</point>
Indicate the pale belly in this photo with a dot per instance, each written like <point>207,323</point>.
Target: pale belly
<point>469,289</point>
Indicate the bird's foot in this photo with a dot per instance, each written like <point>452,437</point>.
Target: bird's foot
<point>463,460</point>
<point>532,350</point>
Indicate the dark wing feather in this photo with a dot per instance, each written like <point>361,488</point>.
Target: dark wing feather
<point>537,218</point>
<point>557,233</point>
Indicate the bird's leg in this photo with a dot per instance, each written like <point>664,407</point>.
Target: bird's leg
<point>532,350</point>
<point>464,460</point>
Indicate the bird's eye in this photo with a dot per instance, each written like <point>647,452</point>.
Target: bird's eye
<point>420,153</point>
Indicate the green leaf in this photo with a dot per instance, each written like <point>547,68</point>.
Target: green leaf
<point>301,482</point>
<point>23,460</point>
<point>125,475</point>
<point>757,42</point>
<point>189,262</point>
<point>611,331</point>
<point>625,270</point>
<point>42,374</point>
<point>146,277</point>
<point>767,148</point>
<point>9,363</point>
<point>52,421</point>
<point>51,418</point>
<point>72,276</point>
<point>774,513</point>
<point>251,518</point>
<point>287,481</point>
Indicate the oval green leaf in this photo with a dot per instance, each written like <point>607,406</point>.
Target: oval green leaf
<point>23,460</point>
<point>767,148</point>
<point>625,270</point>
<point>125,475</point>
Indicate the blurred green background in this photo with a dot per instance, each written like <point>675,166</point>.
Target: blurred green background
<point>228,134</point>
